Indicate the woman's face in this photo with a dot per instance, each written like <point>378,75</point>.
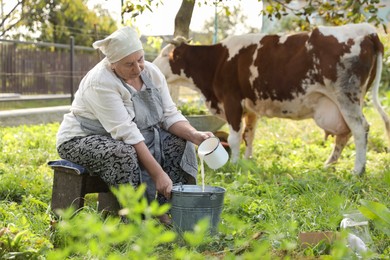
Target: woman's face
<point>130,66</point>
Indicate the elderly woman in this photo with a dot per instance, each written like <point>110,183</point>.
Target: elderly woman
<point>123,125</point>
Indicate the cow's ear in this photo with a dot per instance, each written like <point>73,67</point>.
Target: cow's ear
<point>172,41</point>
<point>178,40</point>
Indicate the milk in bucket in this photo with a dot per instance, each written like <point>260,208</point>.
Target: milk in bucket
<point>213,153</point>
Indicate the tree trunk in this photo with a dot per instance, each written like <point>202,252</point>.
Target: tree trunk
<point>183,18</point>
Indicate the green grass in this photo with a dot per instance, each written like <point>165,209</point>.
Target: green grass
<point>281,191</point>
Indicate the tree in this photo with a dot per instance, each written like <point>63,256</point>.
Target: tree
<point>57,20</point>
<point>183,18</point>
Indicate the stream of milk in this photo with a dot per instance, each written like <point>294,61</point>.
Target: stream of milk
<point>201,158</point>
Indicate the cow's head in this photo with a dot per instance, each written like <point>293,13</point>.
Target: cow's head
<point>170,55</point>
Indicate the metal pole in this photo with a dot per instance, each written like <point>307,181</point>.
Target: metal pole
<point>215,23</point>
<point>2,13</point>
<point>122,22</point>
<point>71,68</point>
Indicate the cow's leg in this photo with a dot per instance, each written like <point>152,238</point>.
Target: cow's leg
<point>357,123</point>
<point>234,141</point>
<point>359,127</point>
<point>250,120</point>
<point>234,113</point>
<point>340,142</point>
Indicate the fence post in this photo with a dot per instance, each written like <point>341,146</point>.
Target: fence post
<point>71,68</point>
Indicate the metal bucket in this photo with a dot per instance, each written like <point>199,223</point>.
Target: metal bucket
<point>190,204</point>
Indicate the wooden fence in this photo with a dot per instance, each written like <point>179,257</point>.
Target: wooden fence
<point>29,68</point>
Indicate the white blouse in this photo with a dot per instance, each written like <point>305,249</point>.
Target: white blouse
<point>102,96</point>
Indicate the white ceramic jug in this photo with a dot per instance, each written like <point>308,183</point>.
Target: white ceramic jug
<point>213,153</point>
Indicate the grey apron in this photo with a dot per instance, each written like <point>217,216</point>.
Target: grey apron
<point>148,117</point>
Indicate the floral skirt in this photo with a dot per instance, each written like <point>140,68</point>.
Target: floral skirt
<point>116,162</point>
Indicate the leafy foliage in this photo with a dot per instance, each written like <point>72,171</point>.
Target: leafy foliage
<point>136,8</point>
<point>334,12</point>
<point>134,236</point>
<point>56,21</point>
<point>377,212</point>
<point>193,108</point>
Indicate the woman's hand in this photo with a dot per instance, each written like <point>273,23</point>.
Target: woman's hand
<point>184,130</point>
<point>199,136</point>
<point>163,184</point>
<point>160,178</point>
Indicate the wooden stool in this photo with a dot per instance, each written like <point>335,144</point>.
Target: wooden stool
<point>72,182</point>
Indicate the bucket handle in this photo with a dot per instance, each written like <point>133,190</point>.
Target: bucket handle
<point>181,186</point>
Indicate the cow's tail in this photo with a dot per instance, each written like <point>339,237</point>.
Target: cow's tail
<point>375,93</point>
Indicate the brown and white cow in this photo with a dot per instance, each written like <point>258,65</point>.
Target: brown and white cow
<point>323,74</point>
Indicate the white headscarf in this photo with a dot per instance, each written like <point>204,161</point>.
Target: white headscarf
<point>119,44</point>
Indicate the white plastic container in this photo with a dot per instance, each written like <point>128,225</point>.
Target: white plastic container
<point>213,153</point>
<point>359,238</point>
